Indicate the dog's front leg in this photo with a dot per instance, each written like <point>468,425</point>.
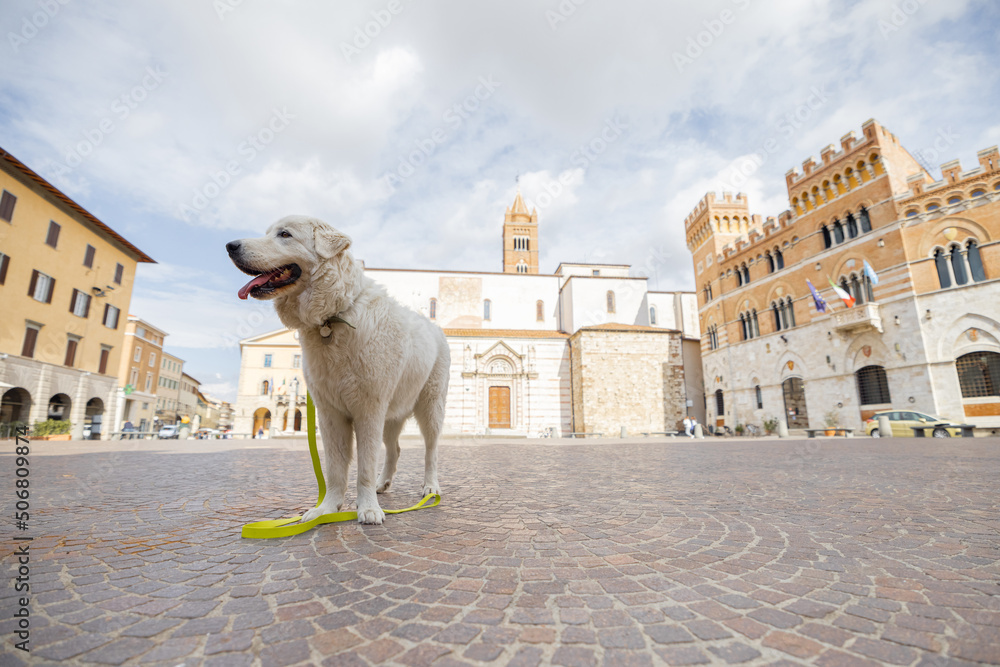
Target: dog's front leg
<point>369,433</point>
<point>337,443</point>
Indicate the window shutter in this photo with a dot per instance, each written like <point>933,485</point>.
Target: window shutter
<point>30,335</point>
<point>7,206</point>
<point>86,308</point>
<point>4,261</point>
<point>103,367</point>
<point>70,352</point>
<point>52,288</point>
<point>72,301</point>
<point>104,318</point>
<point>34,281</point>
<point>119,270</point>
<point>117,312</point>
<point>88,259</point>
<point>53,237</point>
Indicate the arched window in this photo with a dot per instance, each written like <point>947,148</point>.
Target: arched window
<point>873,386</point>
<point>827,241</point>
<point>911,213</point>
<point>975,262</point>
<point>932,207</point>
<point>979,374</point>
<point>958,265</point>
<point>978,193</point>
<point>713,338</point>
<point>857,290</point>
<point>838,232</point>
<point>866,223</point>
<point>739,277</point>
<point>744,334</point>
<point>522,267</point>
<point>759,397</point>
<point>434,308</point>
<point>954,200</point>
<point>611,301</point>
<point>776,312</point>
<point>720,405</point>
<point>770,262</point>
<point>779,259</point>
<point>539,311</point>
<point>852,226</point>
<point>941,263</point>
<point>790,312</point>
<point>652,316</point>
<point>487,308</point>
<point>264,388</point>
<point>746,275</point>
<point>755,325</point>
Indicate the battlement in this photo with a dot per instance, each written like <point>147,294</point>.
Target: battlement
<point>849,144</point>
<point>711,201</point>
<point>951,173</point>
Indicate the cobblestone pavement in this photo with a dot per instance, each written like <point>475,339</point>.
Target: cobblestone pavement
<point>618,552</point>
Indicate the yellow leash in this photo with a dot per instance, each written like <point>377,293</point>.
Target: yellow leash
<point>290,526</point>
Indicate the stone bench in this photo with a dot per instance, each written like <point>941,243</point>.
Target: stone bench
<point>584,435</point>
<point>848,432</point>
<point>920,431</point>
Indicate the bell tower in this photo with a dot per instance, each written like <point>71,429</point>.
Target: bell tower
<point>520,238</point>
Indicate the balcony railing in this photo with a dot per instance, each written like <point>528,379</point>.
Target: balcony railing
<point>859,318</point>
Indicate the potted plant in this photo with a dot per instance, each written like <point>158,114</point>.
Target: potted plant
<point>52,429</point>
<point>832,421</point>
<point>771,425</point>
<point>739,429</point>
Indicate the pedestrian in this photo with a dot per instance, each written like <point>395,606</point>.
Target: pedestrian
<point>689,427</point>
<point>127,428</point>
<point>260,433</point>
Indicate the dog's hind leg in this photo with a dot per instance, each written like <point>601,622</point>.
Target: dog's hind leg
<point>390,436</point>
<point>338,443</point>
<point>430,416</point>
<point>369,430</point>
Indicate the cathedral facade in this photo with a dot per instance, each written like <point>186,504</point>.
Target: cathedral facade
<point>586,349</point>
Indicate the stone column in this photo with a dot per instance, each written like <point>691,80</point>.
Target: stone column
<point>78,411</point>
<point>40,404</point>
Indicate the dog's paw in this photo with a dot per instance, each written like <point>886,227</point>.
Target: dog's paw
<point>430,489</point>
<point>319,511</point>
<point>382,485</point>
<point>371,515</point>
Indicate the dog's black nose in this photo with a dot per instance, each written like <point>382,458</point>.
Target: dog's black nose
<point>232,247</point>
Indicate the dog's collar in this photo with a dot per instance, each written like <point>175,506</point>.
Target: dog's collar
<point>326,329</point>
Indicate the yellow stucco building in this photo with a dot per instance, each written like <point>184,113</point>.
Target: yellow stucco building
<point>65,285</point>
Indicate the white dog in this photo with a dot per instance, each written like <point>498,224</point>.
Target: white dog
<point>370,363</point>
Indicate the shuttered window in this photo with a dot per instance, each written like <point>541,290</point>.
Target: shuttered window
<point>41,287</point>
<point>30,336</point>
<point>71,346</point>
<point>119,271</point>
<point>53,238</point>
<point>88,257</point>
<point>110,318</point>
<point>79,304</point>
<point>7,201</point>
<point>4,261</point>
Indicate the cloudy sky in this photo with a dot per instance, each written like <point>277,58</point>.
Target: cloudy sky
<point>187,124</point>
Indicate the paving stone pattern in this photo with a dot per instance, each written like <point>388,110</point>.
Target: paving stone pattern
<point>820,552</point>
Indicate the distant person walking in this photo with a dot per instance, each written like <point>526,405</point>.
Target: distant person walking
<point>127,428</point>
<point>260,433</point>
<point>689,423</point>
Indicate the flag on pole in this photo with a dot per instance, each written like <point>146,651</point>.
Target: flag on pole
<point>870,272</point>
<point>843,294</point>
<point>817,299</point>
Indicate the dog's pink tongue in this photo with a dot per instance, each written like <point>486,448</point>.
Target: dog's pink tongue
<point>259,280</point>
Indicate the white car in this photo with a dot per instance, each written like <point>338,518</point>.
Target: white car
<point>170,431</point>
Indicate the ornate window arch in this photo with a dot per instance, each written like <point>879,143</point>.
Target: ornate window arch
<point>610,297</point>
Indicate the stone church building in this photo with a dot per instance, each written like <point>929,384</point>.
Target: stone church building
<point>918,256</point>
<point>586,349</point>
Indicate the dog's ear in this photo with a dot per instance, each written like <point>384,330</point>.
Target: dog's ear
<point>329,242</point>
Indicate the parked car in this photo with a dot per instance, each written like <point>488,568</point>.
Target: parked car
<point>902,421</point>
<point>170,431</point>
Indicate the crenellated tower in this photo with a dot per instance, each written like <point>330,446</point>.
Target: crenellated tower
<point>520,238</point>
